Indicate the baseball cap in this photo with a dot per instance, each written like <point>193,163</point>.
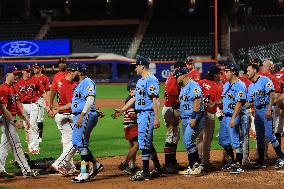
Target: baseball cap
<point>141,61</point>
<point>131,85</point>
<point>73,67</point>
<point>179,64</point>
<point>62,60</point>
<point>26,67</point>
<point>13,69</point>
<point>213,70</point>
<point>232,67</point>
<point>36,65</point>
<point>189,60</point>
<point>179,72</point>
<point>82,68</point>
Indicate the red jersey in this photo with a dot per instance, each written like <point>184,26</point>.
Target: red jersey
<point>56,77</point>
<point>9,96</point>
<point>274,79</point>
<point>280,77</point>
<point>211,92</point>
<point>194,75</point>
<point>29,90</point>
<point>64,90</point>
<point>172,90</point>
<point>246,81</point>
<point>43,79</point>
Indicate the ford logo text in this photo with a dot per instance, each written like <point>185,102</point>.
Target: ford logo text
<point>20,48</point>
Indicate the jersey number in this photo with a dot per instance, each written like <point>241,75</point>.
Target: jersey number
<point>186,106</point>
<point>75,104</point>
<point>141,102</point>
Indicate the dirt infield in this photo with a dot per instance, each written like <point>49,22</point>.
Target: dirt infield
<point>111,177</point>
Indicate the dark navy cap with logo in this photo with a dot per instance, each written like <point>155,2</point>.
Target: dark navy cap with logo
<point>232,67</point>
<point>213,70</point>
<point>62,61</point>
<point>141,61</point>
<point>36,65</point>
<point>82,68</point>
<point>13,69</point>
<point>179,72</point>
<point>73,67</point>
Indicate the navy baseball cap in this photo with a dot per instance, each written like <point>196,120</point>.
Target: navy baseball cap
<point>189,60</point>
<point>82,68</point>
<point>36,65</point>
<point>26,67</point>
<point>73,67</point>
<point>13,69</point>
<point>232,67</point>
<point>141,61</point>
<point>179,72</point>
<point>214,70</point>
<point>62,60</point>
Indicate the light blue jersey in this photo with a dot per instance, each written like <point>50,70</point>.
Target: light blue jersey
<point>145,88</point>
<point>84,89</point>
<point>258,92</point>
<point>187,95</point>
<point>233,93</point>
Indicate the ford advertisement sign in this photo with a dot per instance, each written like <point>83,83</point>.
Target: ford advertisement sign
<point>35,47</point>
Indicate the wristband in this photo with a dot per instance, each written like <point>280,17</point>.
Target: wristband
<point>194,115</point>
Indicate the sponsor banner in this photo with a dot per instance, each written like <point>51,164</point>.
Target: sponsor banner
<point>35,47</point>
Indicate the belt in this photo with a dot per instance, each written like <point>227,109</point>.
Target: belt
<point>260,107</point>
<point>77,113</point>
<point>189,117</point>
<point>139,111</point>
<point>65,113</point>
<point>228,114</point>
<point>29,102</point>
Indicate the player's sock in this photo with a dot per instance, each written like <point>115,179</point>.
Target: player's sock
<point>146,167</point>
<point>230,152</point>
<point>155,159</point>
<point>277,149</point>
<point>132,164</point>
<point>193,158</point>
<point>260,152</point>
<point>278,137</point>
<point>40,129</point>
<point>239,155</point>
<point>174,152</point>
<point>168,154</point>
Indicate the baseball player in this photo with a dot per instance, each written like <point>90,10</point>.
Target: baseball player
<point>192,116</point>
<point>85,119</point>
<point>212,94</point>
<point>131,133</point>
<point>30,90</point>
<point>234,98</point>
<point>261,95</point>
<point>64,120</point>
<point>9,107</point>
<point>171,116</point>
<point>146,105</point>
<point>193,73</point>
<point>62,64</point>
<point>279,116</point>
<point>43,79</point>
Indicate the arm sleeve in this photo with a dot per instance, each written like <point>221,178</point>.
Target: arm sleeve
<point>241,93</point>
<point>89,102</point>
<point>153,88</point>
<point>196,92</point>
<point>269,87</point>
<point>250,95</point>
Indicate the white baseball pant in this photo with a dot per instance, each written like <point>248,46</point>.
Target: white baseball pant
<point>64,123</point>
<point>41,104</point>
<point>10,139</point>
<point>172,119</point>
<point>31,112</point>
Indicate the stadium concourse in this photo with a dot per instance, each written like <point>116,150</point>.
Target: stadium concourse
<point>112,177</point>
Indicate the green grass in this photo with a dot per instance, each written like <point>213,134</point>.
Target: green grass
<point>107,138</point>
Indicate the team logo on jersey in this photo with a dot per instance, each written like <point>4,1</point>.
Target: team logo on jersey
<point>269,85</point>
<point>196,90</point>
<point>59,84</point>
<point>241,94</point>
<point>230,96</point>
<point>89,88</point>
<point>152,88</point>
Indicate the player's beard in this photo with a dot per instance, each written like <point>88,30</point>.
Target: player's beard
<point>76,79</point>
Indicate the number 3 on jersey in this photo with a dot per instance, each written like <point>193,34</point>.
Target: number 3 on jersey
<point>75,104</point>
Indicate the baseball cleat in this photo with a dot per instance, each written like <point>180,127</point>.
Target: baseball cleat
<point>186,172</point>
<point>258,165</point>
<point>157,172</point>
<point>279,164</point>
<point>236,169</point>
<point>125,168</point>
<point>196,170</point>
<point>170,170</point>
<point>59,169</point>
<point>30,174</point>
<point>140,176</point>
<point>95,171</point>
<point>82,177</point>
<point>5,175</point>
<point>227,167</point>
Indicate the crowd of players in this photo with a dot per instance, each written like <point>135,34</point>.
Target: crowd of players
<point>241,99</point>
